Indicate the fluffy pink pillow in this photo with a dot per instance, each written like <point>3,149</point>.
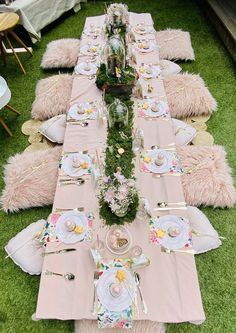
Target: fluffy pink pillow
<point>52,96</point>
<point>175,44</point>
<point>207,177</point>
<point>188,96</point>
<point>61,53</point>
<point>30,179</point>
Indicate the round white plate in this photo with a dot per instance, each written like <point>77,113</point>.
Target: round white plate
<point>95,31</point>
<point>69,237</point>
<point>67,164</point>
<point>87,49</point>
<point>167,221</point>
<point>165,167</point>
<point>73,111</point>
<point>152,47</point>
<point>162,110</point>
<point>147,29</point>
<point>80,68</point>
<point>126,298</point>
<point>156,71</point>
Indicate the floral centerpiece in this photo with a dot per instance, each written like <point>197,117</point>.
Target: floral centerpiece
<point>117,17</point>
<point>119,194</point>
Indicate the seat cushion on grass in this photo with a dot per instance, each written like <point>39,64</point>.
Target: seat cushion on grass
<point>54,129</point>
<point>184,133</point>
<point>169,68</point>
<point>188,96</point>
<point>139,326</point>
<point>52,96</point>
<point>61,53</point>
<point>205,237</point>
<point>25,250</point>
<point>207,177</point>
<point>30,179</point>
<point>175,44</point>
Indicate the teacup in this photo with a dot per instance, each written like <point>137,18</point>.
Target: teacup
<point>76,163</point>
<point>155,107</point>
<point>173,231</point>
<point>116,289</point>
<point>160,159</point>
<point>70,225</point>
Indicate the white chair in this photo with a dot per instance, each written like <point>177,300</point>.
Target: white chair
<point>5,96</point>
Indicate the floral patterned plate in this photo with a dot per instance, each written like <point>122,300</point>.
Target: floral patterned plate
<point>171,232</point>
<point>170,161</point>
<point>127,295</point>
<point>82,111</point>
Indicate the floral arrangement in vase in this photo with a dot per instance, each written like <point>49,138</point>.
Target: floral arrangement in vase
<point>118,193</point>
<point>117,17</point>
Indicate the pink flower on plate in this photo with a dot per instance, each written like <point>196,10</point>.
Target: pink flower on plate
<point>54,218</point>
<point>90,223</point>
<point>174,162</point>
<point>121,324</point>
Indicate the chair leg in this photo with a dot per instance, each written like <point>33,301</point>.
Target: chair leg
<point>16,56</point>
<point>5,126</point>
<point>20,42</point>
<point>3,52</point>
<point>9,107</point>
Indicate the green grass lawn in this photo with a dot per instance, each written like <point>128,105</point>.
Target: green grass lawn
<point>216,269</point>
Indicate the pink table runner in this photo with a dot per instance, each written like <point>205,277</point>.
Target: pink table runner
<point>170,284</point>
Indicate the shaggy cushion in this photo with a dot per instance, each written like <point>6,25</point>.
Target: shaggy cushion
<point>54,129</point>
<point>169,68</point>
<point>207,177</point>
<point>25,250</point>
<point>205,237</point>
<point>30,179</point>
<point>188,96</point>
<point>184,133</point>
<point>175,44</point>
<point>61,53</point>
<point>139,326</point>
<point>52,96</point>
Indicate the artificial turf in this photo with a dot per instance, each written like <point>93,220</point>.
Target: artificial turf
<point>216,269</point>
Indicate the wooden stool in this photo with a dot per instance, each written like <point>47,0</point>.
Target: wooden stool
<point>2,122</point>
<point>7,22</point>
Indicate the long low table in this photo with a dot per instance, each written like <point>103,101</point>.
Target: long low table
<point>170,283</point>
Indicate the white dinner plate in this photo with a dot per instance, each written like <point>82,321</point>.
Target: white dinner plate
<point>63,233</point>
<point>82,68</point>
<point>163,109</point>
<point>73,111</point>
<point>167,221</point>
<point>90,49</point>
<point>155,71</point>
<point>143,29</point>
<point>125,299</point>
<point>167,163</point>
<point>152,46</point>
<point>70,170</point>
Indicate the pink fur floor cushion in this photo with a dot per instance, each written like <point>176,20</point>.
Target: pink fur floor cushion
<point>52,96</point>
<point>25,250</point>
<point>175,44</point>
<point>139,326</point>
<point>61,53</point>
<point>207,177</point>
<point>188,96</point>
<point>205,237</point>
<point>30,179</point>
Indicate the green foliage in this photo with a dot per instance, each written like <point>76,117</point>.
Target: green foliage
<point>119,139</point>
<point>103,79</point>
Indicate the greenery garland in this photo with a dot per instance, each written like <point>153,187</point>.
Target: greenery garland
<point>114,161</point>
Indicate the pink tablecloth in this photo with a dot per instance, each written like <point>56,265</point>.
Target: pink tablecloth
<point>170,284</point>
